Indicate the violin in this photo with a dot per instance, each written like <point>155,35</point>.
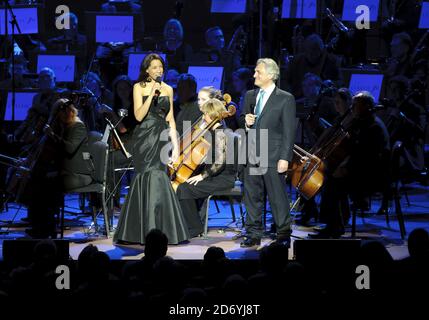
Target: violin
<point>194,148</point>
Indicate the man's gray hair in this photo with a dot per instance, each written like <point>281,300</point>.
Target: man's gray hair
<point>271,67</point>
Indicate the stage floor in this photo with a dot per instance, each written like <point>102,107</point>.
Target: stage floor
<point>222,229</point>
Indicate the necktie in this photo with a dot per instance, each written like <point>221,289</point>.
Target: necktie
<point>258,108</point>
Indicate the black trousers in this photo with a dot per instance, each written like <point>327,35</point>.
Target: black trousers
<point>189,195</point>
<point>44,203</point>
<point>334,203</point>
<point>275,185</point>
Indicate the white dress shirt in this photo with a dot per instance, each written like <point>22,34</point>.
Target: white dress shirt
<point>268,91</point>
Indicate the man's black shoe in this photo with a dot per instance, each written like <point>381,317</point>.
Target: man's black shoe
<point>304,222</point>
<point>326,234</point>
<point>250,242</point>
<point>239,235</point>
<point>284,240</point>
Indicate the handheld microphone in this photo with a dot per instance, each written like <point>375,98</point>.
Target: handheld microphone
<point>158,80</point>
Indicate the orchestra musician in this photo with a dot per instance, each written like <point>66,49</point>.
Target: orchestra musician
<point>363,170</point>
<point>215,176</point>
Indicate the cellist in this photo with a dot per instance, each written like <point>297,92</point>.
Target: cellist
<point>215,174</point>
<point>361,173</point>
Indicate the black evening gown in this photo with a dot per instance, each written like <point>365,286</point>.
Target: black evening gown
<point>151,201</point>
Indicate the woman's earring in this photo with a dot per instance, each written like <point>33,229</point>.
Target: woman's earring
<point>149,79</point>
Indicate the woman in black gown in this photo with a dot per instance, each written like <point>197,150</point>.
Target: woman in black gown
<point>151,202</point>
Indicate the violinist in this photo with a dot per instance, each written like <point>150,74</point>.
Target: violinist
<point>406,122</point>
<point>215,175</point>
<point>399,61</point>
<point>314,59</point>
<point>217,52</point>
<point>71,40</point>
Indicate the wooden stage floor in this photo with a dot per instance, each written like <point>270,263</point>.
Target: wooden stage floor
<point>222,229</point>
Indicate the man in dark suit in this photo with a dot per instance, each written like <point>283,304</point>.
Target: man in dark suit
<point>269,119</point>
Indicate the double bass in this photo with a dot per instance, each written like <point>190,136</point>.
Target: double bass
<point>194,148</point>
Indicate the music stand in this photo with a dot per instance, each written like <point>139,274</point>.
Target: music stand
<point>111,133</point>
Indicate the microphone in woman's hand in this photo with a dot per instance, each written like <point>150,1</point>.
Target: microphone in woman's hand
<point>158,80</point>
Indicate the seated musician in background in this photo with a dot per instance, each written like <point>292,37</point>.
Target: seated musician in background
<point>211,92</point>
<point>314,59</point>
<point>319,105</point>
<point>188,106</point>
<point>113,55</point>
<point>399,61</point>
<point>31,128</point>
<point>215,175</point>
<point>343,101</point>
<point>173,46</point>
<point>364,170</point>
<point>91,109</point>
<point>123,99</point>
<point>71,40</point>
<point>21,68</point>
<point>71,138</point>
<point>59,162</point>
<point>172,78</point>
<point>399,16</point>
<point>406,122</point>
<point>217,52</point>
<point>207,93</point>
<point>242,81</point>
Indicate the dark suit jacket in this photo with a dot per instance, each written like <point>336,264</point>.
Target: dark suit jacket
<point>74,144</point>
<point>278,116</point>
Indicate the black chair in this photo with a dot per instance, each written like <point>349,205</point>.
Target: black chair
<point>99,154</point>
<point>234,193</point>
<point>93,136</point>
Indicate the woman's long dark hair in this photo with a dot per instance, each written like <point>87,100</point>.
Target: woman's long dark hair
<point>144,76</point>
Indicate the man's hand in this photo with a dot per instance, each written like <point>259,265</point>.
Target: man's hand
<point>282,166</point>
<point>250,119</point>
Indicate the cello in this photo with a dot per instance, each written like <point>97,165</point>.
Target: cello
<point>308,168</point>
<point>25,167</point>
<point>194,147</point>
<point>307,172</point>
